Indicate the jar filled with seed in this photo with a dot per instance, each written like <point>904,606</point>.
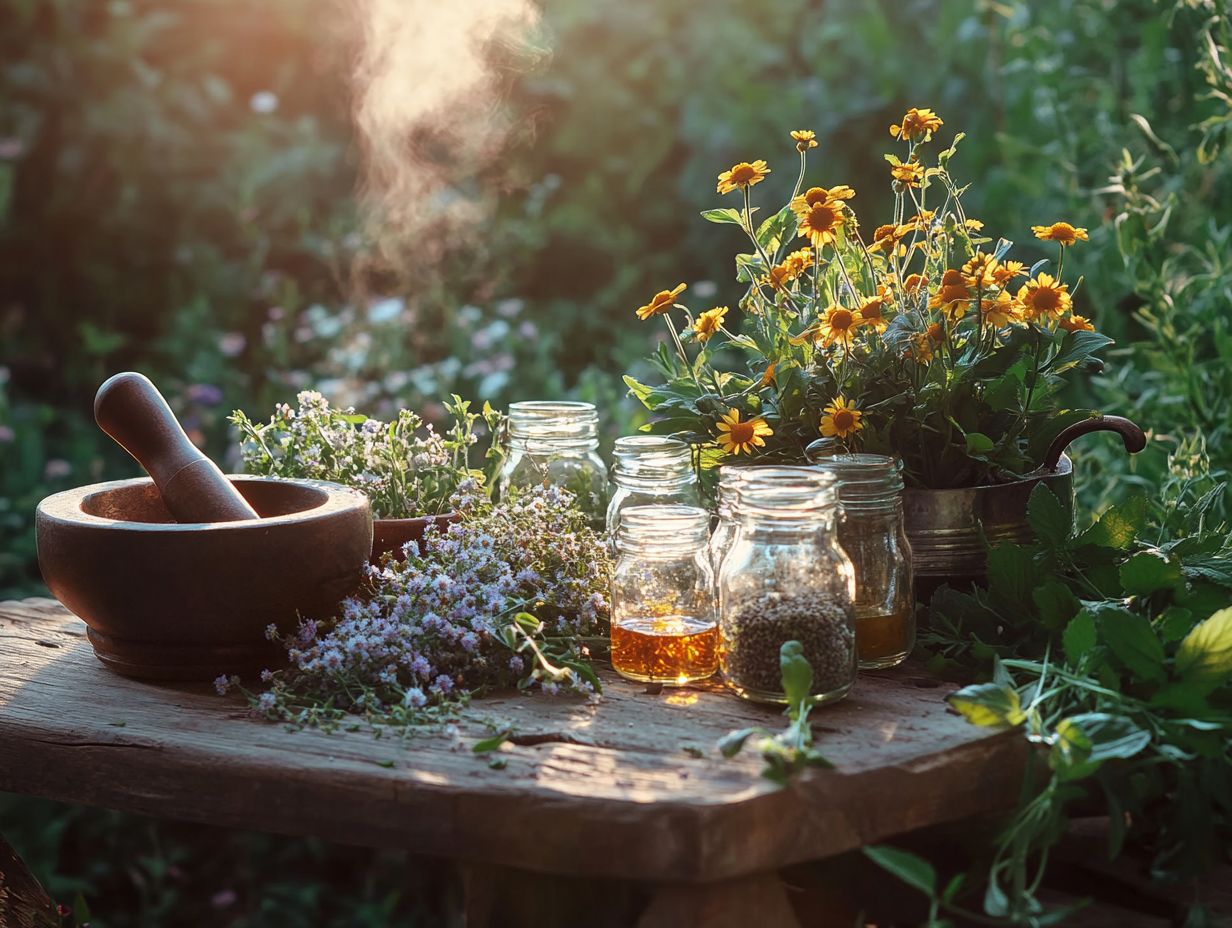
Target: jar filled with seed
<point>650,470</point>
<point>786,578</point>
<point>870,492</point>
<point>556,444</point>
<point>664,626</point>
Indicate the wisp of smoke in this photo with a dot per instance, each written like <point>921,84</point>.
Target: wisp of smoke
<point>429,116</point>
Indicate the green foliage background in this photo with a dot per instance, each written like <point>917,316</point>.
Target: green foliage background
<point>154,214</point>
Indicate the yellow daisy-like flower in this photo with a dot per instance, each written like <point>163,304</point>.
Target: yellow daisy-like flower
<point>767,378</point>
<point>1075,323</point>
<point>799,261</point>
<point>779,276</point>
<point>708,323</point>
<point>908,173</point>
<point>805,139</point>
<point>742,176</point>
<point>1044,296</point>
<point>1061,232</point>
<point>661,302</point>
<point>915,284</point>
<point>917,123</point>
<point>980,271</point>
<point>819,222</point>
<point>838,325</point>
<point>952,297</point>
<point>1002,311</point>
<point>887,237</point>
<point>974,224</point>
<point>815,195</point>
<point>841,419</point>
<point>735,436</point>
<point>1006,272</point>
<point>872,313</point>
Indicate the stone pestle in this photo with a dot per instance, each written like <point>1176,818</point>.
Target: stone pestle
<point>129,408</point>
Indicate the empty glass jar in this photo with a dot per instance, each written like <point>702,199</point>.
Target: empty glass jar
<point>650,470</point>
<point>663,612</point>
<point>786,578</point>
<point>556,444</point>
<point>870,491</point>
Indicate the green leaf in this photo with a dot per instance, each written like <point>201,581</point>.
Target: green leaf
<point>1050,519</point>
<point>1133,640</point>
<point>978,443</point>
<point>1205,654</point>
<point>493,743</point>
<point>771,232</point>
<point>912,869</point>
<point>989,704</point>
<point>1056,603</point>
<point>1148,572</point>
<point>724,215</point>
<point>1085,741</point>
<point>1079,636</point>
<point>1119,526</point>
<point>797,674</point>
<point>733,742</point>
<point>1076,348</point>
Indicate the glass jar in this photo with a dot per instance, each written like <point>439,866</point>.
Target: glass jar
<point>650,470</point>
<point>555,443</point>
<point>870,491</point>
<point>731,476</point>
<point>786,578</point>
<point>664,627</point>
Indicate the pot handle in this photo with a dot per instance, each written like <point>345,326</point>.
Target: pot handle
<point>1134,437</point>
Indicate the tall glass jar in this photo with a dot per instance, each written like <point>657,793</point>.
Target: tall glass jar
<point>664,626</point>
<point>870,491</point>
<point>557,444</point>
<point>786,578</point>
<point>650,470</point>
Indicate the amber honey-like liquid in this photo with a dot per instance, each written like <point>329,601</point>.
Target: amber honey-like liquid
<point>670,649</point>
<point>885,640</point>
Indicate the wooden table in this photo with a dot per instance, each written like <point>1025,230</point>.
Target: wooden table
<point>628,791</point>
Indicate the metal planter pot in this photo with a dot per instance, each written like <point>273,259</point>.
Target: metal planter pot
<point>950,530</point>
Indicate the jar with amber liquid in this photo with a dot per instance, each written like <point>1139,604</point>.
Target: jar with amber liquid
<point>664,626</point>
<point>870,492</point>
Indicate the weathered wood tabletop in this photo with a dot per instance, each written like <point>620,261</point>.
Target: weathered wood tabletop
<point>630,788</point>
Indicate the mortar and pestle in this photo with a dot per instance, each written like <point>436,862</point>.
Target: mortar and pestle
<point>178,576</point>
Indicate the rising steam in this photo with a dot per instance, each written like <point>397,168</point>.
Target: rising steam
<point>428,95</point>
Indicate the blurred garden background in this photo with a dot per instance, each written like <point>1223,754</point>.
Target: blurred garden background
<point>178,195</point>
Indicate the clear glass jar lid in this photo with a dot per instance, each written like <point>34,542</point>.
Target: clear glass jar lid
<point>663,528</point>
<point>557,422</point>
<point>866,482</point>
<point>653,458</point>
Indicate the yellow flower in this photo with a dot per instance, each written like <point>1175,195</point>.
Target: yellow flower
<point>805,139</point>
<point>708,323</point>
<point>820,221</point>
<point>742,176</point>
<point>974,224</point>
<point>1044,296</point>
<point>1061,232</point>
<point>779,276</point>
<point>980,271</point>
<point>952,297</point>
<point>1075,323</point>
<point>917,123</point>
<point>767,378</point>
<point>839,325</point>
<point>908,173</point>
<point>736,436</point>
<point>872,313</point>
<point>661,302</point>
<point>1008,271</point>
<point>914,284</point>
<point>841,419</point>
<point>887,237</point>
<point>799,261</point>
<point>1002,311</point>
<point>815,195</point>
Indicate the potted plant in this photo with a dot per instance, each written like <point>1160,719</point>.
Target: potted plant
<point>918,337</point>
<point>410,472</point>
